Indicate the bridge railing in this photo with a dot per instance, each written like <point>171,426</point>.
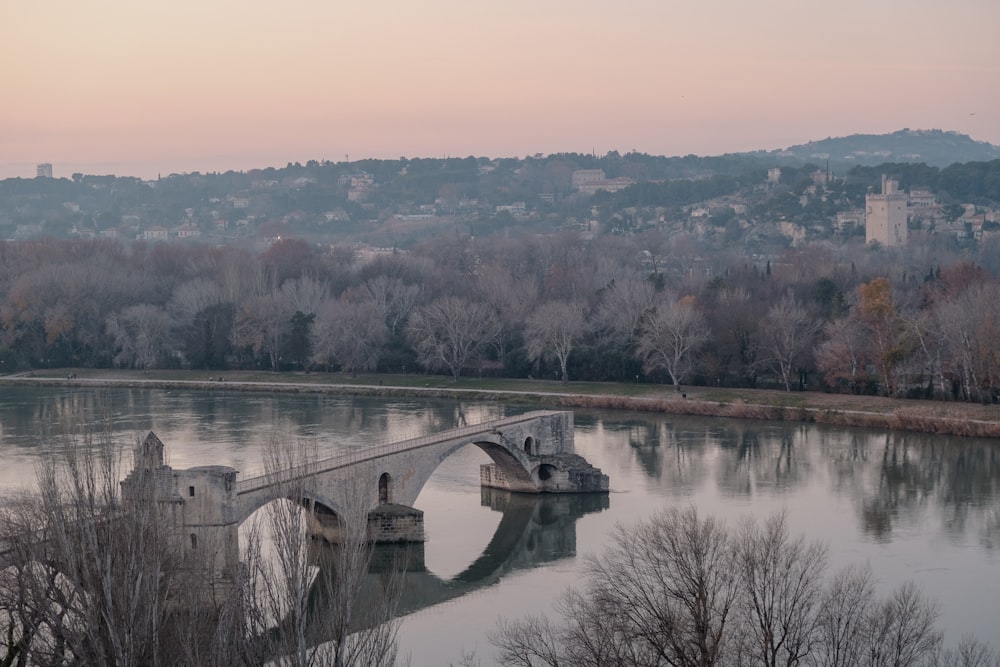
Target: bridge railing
<point>286,475</point>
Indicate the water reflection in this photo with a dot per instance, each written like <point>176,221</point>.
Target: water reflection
<point>534,530</point>
<point>912,505</point>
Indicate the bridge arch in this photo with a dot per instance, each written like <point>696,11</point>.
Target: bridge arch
<point>309,499</point>
<point>509,457</point>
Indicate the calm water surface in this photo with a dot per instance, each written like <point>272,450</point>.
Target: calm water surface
<point>914,507</point>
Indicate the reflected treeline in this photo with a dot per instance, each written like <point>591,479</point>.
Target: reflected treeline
<point>891,478</point>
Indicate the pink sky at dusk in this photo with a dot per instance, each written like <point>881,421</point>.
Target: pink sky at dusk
<point>141,87</point>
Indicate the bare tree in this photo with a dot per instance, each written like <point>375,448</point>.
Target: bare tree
<point>192,297</point>
<point>450,331</point>
<point>901,630</point>
<point>671,337</point>
<point>663,593</point>
<point>673,573</point>
<point>788,332</point>
<point>843,618</point>
<point>782,583</point>
<point>92,574</point>
<point>970,323</point>
<point>511,296</point>
<point>393,298</point>
<point>142,335</point>
<point>97,574</point>
<point>922,327</point>
<point>971,652</point>
<point>319,613</point>
<point>261,324</point>
<point>306,294</point>
<point>684,591</point>
<point>352,333</point>
<point>843,357</point>
<point>553,330</point>
<point>623,307</point>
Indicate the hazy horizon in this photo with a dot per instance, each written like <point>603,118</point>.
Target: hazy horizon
<point>139,90</point>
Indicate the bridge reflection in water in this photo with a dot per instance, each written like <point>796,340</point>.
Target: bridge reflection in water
<point>534,530</point>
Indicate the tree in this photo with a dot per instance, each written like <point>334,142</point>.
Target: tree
<point>351,333</point>
<point>842,357</point>
<point>684,591</point>
<point>393,298</point>
<point>970,322</point>
<point>781,580</point>
<point>553,329</point>
<point>663,593</point>
<point>207,339</point>
<point>450,331</point>
<point>876,310</point>
<point>623,307</point>
<point>787,334</point>
<point>671,337</point>
<point>261,325</point>
<point>92,574</point>
<point>98,574</point>
<point>298,344</point>
<point>511,298</point>
<point>842,621</point>
<point>142,334</point>
<point>306,294</point>
<point>297,601</point>
<point>901,630</point>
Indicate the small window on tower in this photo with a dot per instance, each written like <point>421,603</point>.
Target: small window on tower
<point>191,491</point>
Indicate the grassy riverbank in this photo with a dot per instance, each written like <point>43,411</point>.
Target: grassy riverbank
<point>951,418</point>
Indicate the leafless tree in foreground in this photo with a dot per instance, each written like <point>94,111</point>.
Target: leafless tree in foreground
<point>662,594</point>
<point>781,582</point>
<point>681,590</point>
<point>92,576</point>
<point>318,613</point>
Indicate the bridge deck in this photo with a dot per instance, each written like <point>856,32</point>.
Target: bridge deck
<point>258,482</point>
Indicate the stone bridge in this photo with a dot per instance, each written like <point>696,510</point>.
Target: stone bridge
<point>531,453</point>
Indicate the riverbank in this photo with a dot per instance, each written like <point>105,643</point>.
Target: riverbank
<point>944,418</point>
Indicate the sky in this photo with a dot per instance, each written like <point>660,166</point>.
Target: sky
<point>153,87</point>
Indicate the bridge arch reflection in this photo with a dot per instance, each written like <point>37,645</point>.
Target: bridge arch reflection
<point>533,530</point>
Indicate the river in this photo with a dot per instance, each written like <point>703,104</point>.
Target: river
<point>914,507</point>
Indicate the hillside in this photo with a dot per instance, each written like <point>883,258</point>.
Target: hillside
<point>936,148</point>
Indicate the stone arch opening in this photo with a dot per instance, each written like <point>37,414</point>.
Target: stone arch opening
<point>529,446</point>
<point>384,489</point>
<point>545,471</point>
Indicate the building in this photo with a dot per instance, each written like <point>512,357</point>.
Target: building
<point>885,215</point>
<point>582,177</point>
<point>43,170</point>
<point>609,184</point>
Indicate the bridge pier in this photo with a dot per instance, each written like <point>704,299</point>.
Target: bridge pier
<point>557,473</point>
<point>387,524</point>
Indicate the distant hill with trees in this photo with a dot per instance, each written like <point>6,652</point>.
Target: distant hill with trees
<point>937,148</point>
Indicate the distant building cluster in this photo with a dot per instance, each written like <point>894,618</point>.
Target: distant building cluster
<point>44,170</point>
